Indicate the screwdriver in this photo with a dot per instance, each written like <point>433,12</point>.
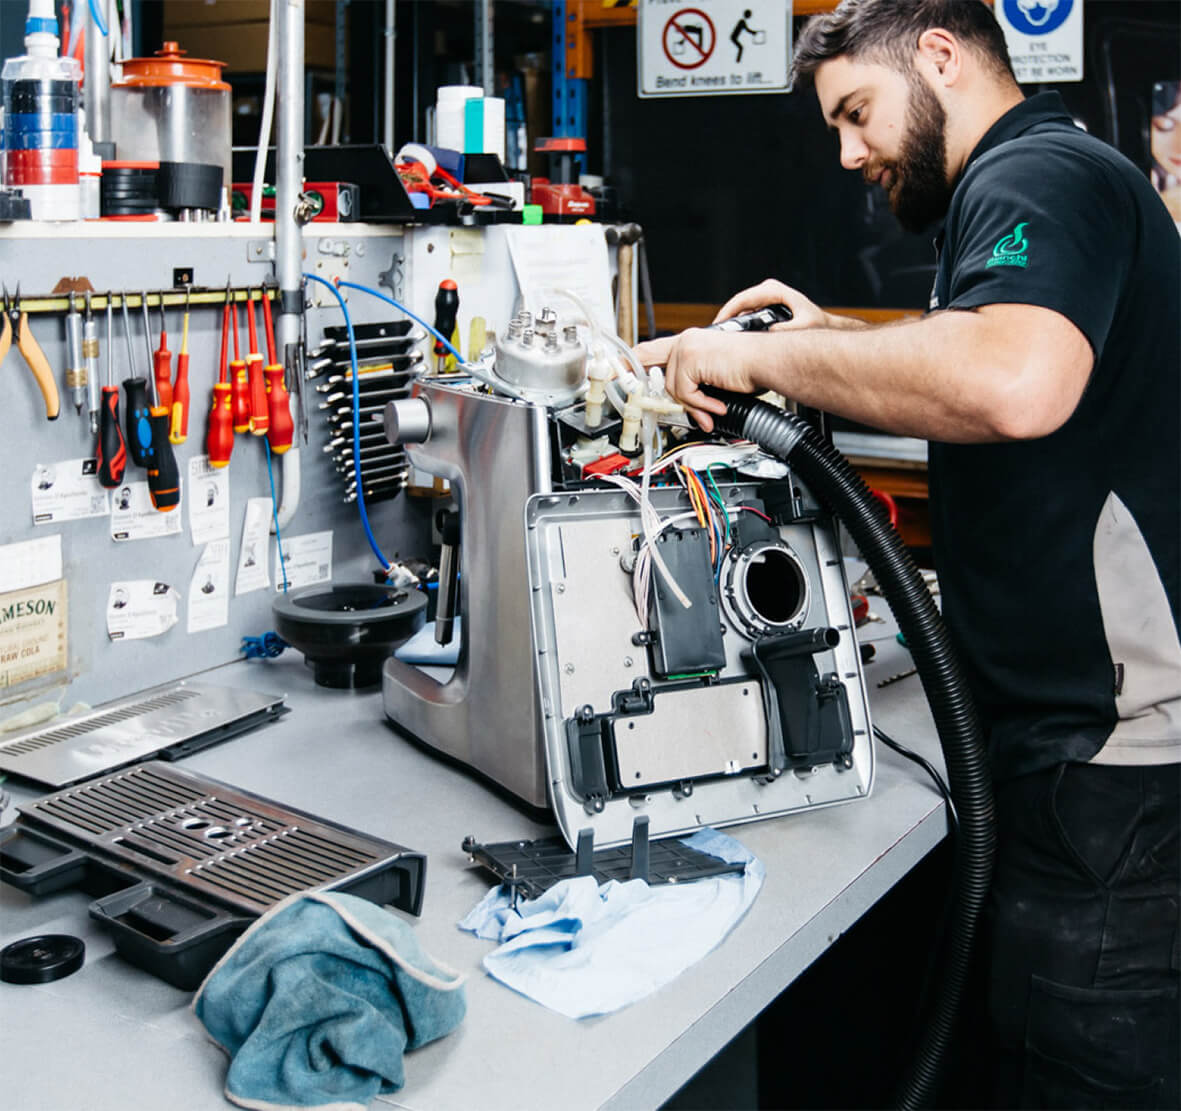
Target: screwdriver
<point>260,419</point>
<point>163,476</point>
<point>90,355</point>
<point>281,430</point>
<point>219,440</point>
<point>178,428</point>
<point>162,358</point>
<point>240,389</point>
<point>75,363</point>
<point>446,310</point>
<point>139,428</point>
<point>112,451</point>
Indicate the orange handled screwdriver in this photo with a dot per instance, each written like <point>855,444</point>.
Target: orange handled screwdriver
<point>259,418</point>
<point>219,441</point>
<point>163,361</point>
<point>163,473</point>
<point>178,428</point>
<point>240,388</point>
<point>282,430</point>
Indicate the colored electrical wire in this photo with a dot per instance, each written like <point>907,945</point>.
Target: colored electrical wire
<point>99,22</point>
<point>348,323</point>
<point>709,473</point>
<point>756,512</point>
<point>275,516</point>
<point>403,309</point>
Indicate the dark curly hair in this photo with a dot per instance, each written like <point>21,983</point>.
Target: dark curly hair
<point>887,31</point>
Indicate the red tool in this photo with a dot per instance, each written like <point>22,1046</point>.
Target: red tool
<point>563,197</point>
<point>111,450</point>
<point>417,179</point>
<point>260,419</point>
<point>240,387</point>
<point>163,362</point>
<point>219,441</point>
<point>178,428</point>
<point>281,430</point>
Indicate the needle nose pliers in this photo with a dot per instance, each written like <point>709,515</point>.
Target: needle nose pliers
<point>15,326</point>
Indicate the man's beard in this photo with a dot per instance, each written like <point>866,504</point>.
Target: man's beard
<point>920,193</point>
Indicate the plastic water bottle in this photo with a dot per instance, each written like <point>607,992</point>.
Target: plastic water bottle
<point>40,96</point>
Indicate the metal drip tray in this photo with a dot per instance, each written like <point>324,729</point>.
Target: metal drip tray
<point>168,721</point>
<point>183,863</point>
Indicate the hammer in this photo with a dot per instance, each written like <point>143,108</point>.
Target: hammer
<point>625,236</point>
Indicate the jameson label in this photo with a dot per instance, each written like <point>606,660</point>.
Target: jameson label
<point>32,633</point>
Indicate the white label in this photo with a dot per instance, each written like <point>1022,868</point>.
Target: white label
<point>252,557</point>
<point>31,562</point>
<point>306,560</point>
<point>553,257</point>
<point>209,590</point>
<point>209,500</point>
<point>1045,38</point>
<point>139,609</point>
<point>67,491</point>
<point>711,47</point>
<point>133,517</point>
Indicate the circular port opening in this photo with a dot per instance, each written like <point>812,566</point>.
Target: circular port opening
<point>766,589</point>
<point>775,586</point>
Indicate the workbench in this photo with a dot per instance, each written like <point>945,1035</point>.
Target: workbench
<point>112,1037</point>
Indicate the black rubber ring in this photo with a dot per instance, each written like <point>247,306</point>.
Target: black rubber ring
<point>41,959</point>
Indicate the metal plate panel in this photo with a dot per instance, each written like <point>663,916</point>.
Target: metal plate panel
<point>84,745</point>
<point>708,731</point>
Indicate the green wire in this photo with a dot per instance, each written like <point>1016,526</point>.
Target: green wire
<point>709,473</point>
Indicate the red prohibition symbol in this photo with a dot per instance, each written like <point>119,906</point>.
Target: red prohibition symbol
<point>689,38</point>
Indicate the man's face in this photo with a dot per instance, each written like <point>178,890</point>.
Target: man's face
<point>893,129</point>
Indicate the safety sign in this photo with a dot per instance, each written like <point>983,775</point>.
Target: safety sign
<point>710,47</point>
<point>1045,38</point>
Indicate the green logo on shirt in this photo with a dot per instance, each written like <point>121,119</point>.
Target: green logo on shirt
<point>1010,249</point>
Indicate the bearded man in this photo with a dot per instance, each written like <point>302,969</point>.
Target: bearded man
<point>1047,378</point>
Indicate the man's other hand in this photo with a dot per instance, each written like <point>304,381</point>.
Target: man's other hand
<point>805,314</point>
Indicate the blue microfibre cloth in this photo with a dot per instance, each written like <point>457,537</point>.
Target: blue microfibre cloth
<point>422,648</point>
<point>581,949</point>
<point>318,1000</point>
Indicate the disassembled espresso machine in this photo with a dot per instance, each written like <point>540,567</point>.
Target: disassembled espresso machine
<point>650,625</point>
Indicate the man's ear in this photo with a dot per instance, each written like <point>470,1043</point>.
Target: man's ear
<point>940,51</point>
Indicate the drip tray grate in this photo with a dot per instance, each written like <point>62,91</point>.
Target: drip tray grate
<point>184,863</point>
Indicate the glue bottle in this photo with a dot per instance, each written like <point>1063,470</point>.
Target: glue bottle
<point>40,96</point>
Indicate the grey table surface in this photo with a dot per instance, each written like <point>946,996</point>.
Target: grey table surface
<point>113,1037</point>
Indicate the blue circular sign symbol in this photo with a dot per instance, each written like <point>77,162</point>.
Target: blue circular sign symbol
<point>1037,17</point>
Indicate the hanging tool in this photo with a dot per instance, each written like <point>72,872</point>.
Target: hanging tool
<point>139,427</point>
<point>162,359</point>
<point>240,387</point>
<point>260,420</point>
<point>90,355</point>
<point>111,450</point>
<point>16,328</point>
<point>281,430</point>
<point>446,311</point>
<point>163,476</point>
<point>219,440</point>
<point>75,361</point>
<point>178,426</point>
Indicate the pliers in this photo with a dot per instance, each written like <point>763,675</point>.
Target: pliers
<point>15,325</point>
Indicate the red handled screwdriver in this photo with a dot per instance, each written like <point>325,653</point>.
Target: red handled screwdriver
<point>112,449</point>
<point>240,387</point>
<point>163,360</point>
<point>178,425</point>
<point>446,311</point>
<point>281,430</point>
<point>163,474</point>
<point>219,441</point>
<point>259,417</point>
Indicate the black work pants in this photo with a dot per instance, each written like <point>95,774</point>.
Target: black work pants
<point>1082,936</point>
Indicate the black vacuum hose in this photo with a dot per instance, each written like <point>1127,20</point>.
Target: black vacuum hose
<point>836,484</point>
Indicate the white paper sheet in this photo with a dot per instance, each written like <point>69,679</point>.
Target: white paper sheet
<point>140,608</point>
<point>30,563</point>
<point>67,491</point>
<point>209,590</point>
<point>133,517</point>
<point>209,501</point>
<point>252,556</point>
<point>307,559</point>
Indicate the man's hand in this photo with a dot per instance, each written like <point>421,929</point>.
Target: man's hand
<point>805,314</point>
<point>700,356</point>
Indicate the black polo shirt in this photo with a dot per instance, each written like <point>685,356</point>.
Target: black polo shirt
<point>1059,558</point>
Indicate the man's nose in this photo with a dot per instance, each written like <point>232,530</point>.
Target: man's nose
<point>854,152</point>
